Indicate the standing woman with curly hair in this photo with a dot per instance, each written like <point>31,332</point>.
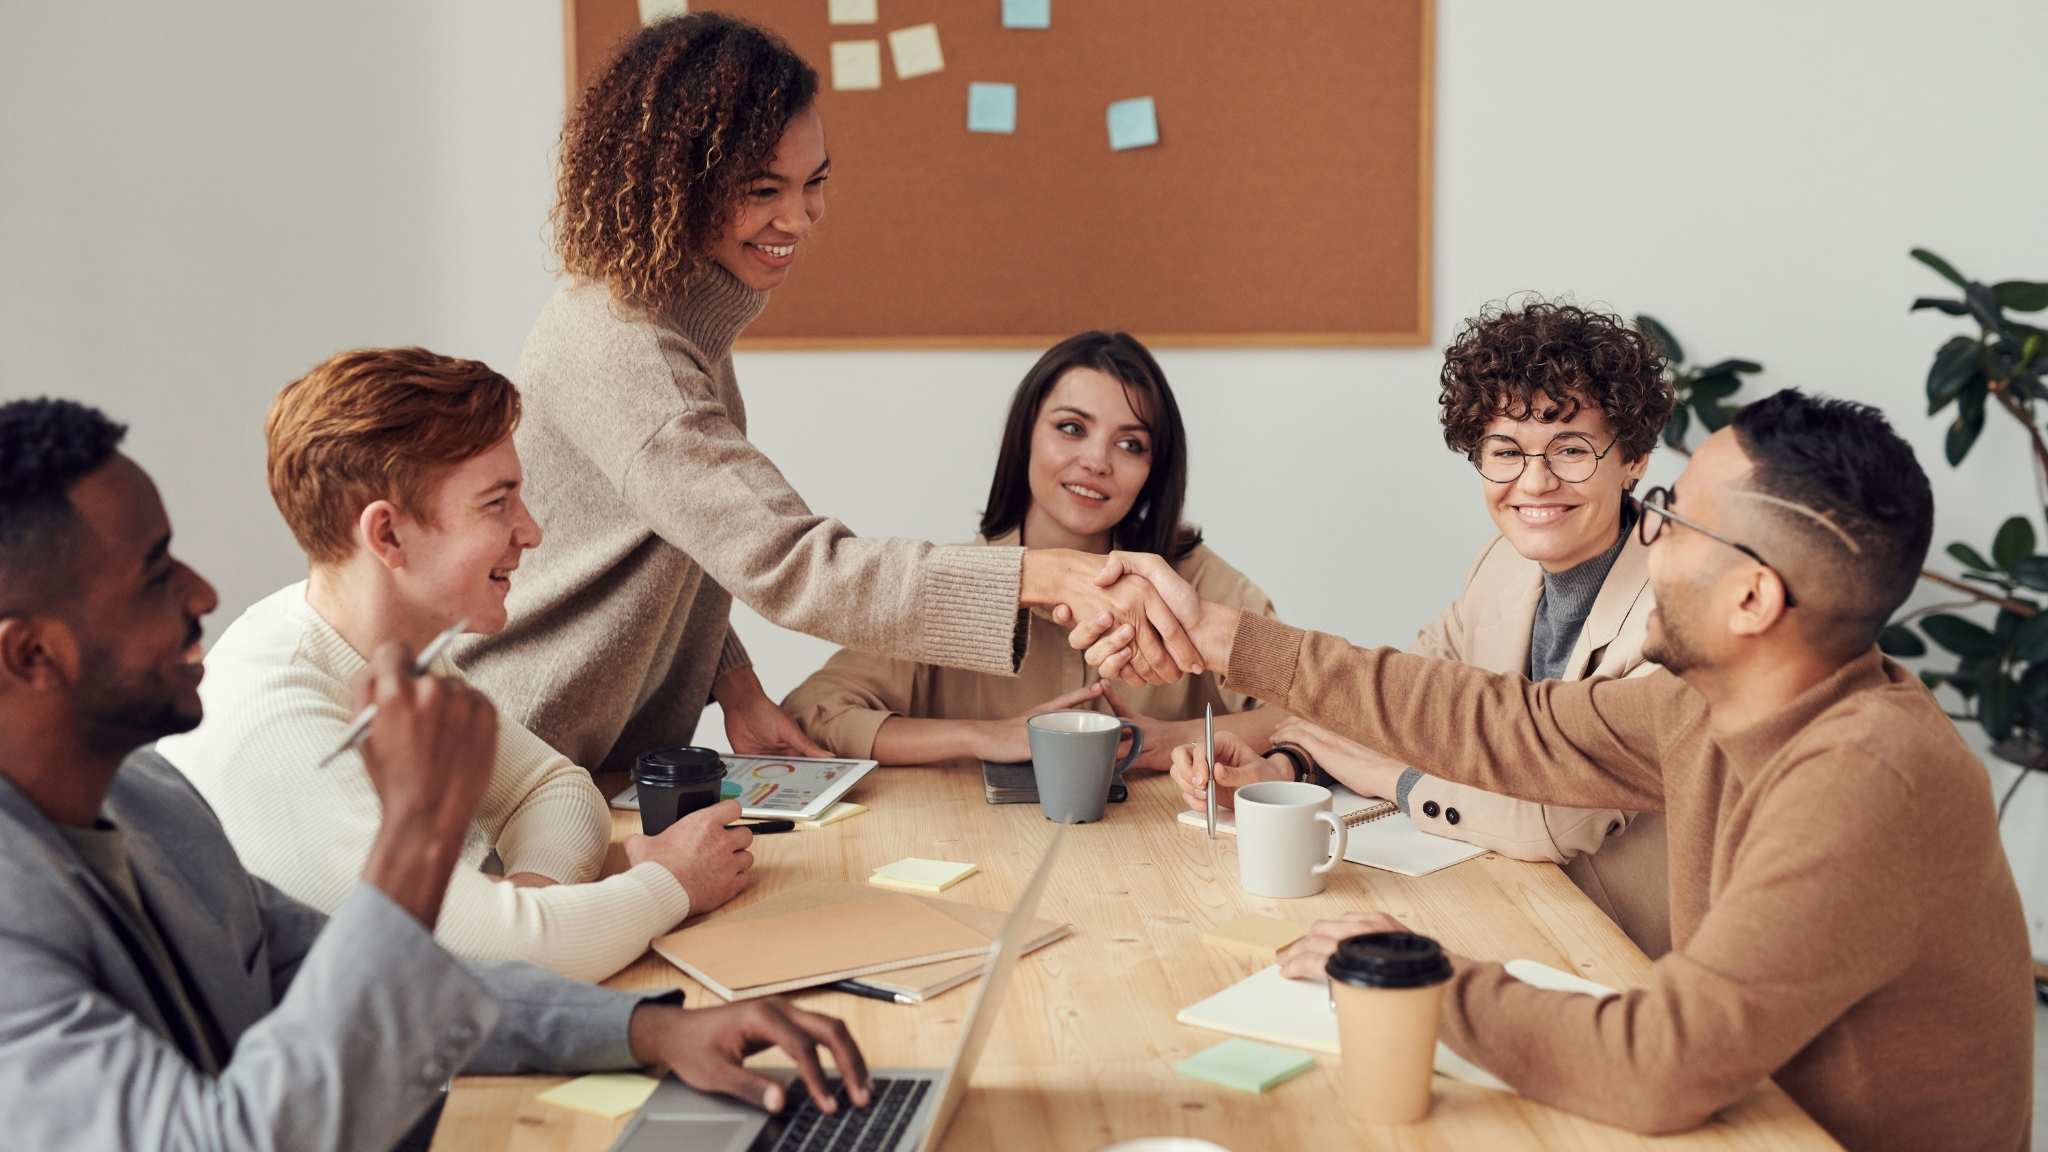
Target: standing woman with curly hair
<point>692,173</point>
<point>1557,408</point>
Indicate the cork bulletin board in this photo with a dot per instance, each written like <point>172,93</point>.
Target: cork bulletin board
<point>1287,200</point>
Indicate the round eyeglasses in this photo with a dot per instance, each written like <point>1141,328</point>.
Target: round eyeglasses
<point>1569,456</point>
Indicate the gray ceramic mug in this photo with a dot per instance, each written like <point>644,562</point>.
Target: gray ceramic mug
<point>1073,758</point>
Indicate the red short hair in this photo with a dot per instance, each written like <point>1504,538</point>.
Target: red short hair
<point>377,424</point>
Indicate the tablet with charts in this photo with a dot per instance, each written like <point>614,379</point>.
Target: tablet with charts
<point>778,787</point>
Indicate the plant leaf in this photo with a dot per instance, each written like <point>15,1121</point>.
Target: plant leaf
<point>1713,415</point>
<point>1713,385</point>
<point>1969,557</point>
<point>1953,367</point>
<point>1941,304</point>
<point>1941,266</point>
<point>1969,422</point>
<point>2030,643</point>
<point>1675,428</point>
<point>2021,295</point>
<point>1661,337</point>
<point>2015,542</point>
<point>1997,701</point>
<point>1984,306</point>
<point>1726,367</point>
<point>1965,638</point>
<point>1899,640</point>
<point>2032,572</point>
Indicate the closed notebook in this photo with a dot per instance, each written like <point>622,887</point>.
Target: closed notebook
<point>923,981</point>
<point>1269,1007</point>
<point>874,931</point>
<point>1377,834</point>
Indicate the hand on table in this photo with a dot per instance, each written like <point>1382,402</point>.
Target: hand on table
<point>1304,959</point>
<point>754,726</point>
<point>1080,587</point>
<point>1349,761</point>
<point>1008,741</point>
<point>707,1049</point>
<point>1236,766</point>
<point>710,860</point>
<point>1160,735</point>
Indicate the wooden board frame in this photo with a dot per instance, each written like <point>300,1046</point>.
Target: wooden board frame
<point>593,28</point>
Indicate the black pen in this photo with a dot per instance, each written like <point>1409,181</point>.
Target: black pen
<point>856,988</point>
<point>765,827</point>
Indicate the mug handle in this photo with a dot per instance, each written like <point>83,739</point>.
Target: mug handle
<point>1131,757</point>
<point>1337,845</point>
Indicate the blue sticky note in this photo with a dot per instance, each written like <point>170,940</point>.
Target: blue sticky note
<point>1133,124</point>
<point>1027,13</point>
<point>991,107</point>
<point>1246,1065</point>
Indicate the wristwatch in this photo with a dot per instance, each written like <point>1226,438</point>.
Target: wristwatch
<point>1305,770</point>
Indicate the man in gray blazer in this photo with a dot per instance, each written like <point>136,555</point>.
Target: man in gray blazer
<point>155,995</point>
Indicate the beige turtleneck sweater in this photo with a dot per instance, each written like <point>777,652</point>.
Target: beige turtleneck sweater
<point>1843,918</point>
<point>657,511</point>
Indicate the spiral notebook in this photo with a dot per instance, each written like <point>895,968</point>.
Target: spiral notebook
<point>1377,834</point>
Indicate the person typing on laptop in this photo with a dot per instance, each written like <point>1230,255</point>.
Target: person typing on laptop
<point>156,994</point>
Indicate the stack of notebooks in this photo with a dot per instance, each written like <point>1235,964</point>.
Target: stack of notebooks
<point>1377,834</point>
<point>912,947</point>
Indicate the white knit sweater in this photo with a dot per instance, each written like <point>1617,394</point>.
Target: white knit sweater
<point>277,699</point>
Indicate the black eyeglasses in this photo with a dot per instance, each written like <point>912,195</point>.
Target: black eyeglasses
<point>1655,506</point>
<point>1570,457</point>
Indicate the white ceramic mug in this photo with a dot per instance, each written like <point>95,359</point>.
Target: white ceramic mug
<point>1279,852</point>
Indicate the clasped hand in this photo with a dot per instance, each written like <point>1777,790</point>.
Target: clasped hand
<point>1134,617</point>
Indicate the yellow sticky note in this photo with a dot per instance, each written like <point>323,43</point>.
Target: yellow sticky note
<point>851,11</point>
<point>845,809</point>
<point>856,65</point>
<point>1262,935</point>
<point>925,876</point>
<point>916,49</point>
<point>609,1094</point>
<point>652,10</point>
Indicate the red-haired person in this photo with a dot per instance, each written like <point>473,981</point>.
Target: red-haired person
<point>396,471</point>
<point>693,173</point>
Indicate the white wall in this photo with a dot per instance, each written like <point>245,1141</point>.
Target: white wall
<point>202,200</point>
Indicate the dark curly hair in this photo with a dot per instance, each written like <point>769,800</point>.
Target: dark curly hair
<point>46,446</point>
<point>660,148</point>
<point>1508,355</point>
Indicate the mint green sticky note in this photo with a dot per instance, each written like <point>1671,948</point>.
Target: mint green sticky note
<point>1133,124</point>
<point>1246,1065</point>
<point>992,108</point>
<point>727,790</point>
<point>1027,13</point>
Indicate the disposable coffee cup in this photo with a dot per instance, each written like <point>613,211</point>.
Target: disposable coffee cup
<point>1387,989</point>
<point>1074,762</point>
<point>674,782</point>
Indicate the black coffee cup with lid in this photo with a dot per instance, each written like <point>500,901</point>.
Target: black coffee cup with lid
<point>1388,960</point>
<point>674,782</point>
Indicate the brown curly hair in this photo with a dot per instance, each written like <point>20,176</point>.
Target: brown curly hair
<point>1504,358</point>
<point>660,149</point>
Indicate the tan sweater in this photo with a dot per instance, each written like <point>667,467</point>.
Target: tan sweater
<point>1843,917</point>
<point>843,704</point>
<point>278,697</point>
<point>657,510</point>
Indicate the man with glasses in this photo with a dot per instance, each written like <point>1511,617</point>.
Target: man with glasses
<point>1844,920</point>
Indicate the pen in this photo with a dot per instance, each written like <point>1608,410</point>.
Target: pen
<point>766,827</point>
<point>1209,761</point>
<point>869,991</point>
<point>427,656</point>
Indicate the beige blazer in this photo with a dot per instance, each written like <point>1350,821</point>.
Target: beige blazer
<point>844,703</point>
<point>1615,857</point>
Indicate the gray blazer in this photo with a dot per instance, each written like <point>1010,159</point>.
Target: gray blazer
<point>342,1030</point>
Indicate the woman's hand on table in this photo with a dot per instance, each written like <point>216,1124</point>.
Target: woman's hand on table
<point>1347,760</point>
<point>754,726</point>
<point>1304,959</point>
<point>1236,766</point>
<point>1008,741</point>
<point>707,1049</point>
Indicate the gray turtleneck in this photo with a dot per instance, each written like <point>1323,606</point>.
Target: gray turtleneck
<point>1561,612</point>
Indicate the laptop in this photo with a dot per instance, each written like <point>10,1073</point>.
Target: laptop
<point>909,1108</point>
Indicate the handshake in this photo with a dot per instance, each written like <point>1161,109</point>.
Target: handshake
<point>1135,618</point>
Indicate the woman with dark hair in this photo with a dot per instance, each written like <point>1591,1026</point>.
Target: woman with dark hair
<point>1093,458</point>
<point>692,174</point>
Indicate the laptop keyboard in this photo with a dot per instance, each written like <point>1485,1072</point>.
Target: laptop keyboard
<point>875,1128</point>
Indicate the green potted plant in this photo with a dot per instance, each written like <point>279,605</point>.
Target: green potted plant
<point>1703,391</point>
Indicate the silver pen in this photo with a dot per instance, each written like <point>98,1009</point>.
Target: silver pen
<point>427,656</point>
<point>1209,758</point>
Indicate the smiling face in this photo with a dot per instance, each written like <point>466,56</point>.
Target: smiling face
<point>458,563</point>
<point>1090,457</point>
<point>138,624</point>
<point>778,207</point>
<point>1559,524</point>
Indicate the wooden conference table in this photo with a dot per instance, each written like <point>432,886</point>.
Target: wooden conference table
<point>1083,1053</point>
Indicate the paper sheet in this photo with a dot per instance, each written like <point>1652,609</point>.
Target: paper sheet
<point>991,107</point>
<point>1262,935</point>
<point>912,874</point>
<point>848,11</point>
<point>1133,124</point>
<point>844,810</point>
<point>856,65</point>
<point>607,1094</point>
<point>916,50</point>
<point>1027,13</point>
<point>1246,1065</point>
<point>652,10</point>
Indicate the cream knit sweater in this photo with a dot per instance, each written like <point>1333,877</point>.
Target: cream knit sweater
<point>277,699</point>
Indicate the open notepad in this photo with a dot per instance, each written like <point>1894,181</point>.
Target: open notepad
<point>1377,834</point>
<point>1268,1006</point>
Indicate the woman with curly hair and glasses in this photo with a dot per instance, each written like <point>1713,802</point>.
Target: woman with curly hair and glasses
<point>693,172</point>
<point>1558,408</point>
